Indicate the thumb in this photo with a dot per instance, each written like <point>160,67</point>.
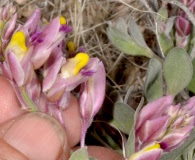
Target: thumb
<point>37,136</point>
<point>9,152</point>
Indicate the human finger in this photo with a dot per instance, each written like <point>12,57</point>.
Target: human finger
<point>36,135</point>
<point>9,152</point>
<point>72,121</point>
<point>9,104</point>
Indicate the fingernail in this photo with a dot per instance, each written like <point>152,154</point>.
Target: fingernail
<point>38,136</point>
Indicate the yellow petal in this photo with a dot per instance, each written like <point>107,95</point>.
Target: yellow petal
<point>155,146</point>
<point>81,60</point>
<point>62,20</point>
<point>71,46</point>
<point>18,44</point>
<point>74,65</point>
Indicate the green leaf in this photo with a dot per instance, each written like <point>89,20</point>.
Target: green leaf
<point>166,43</point>
<point>136,34</point>
<point>191,85</point>
<point>128,94</point>
<point>130,145</point>
<point>162,14</point>
<point>188,153</point>
<point>115,96</point>
<point>123,117</point>
<point>80,154</point>
<point>125,43</point>
<point>122,25</point>
<point>153,87</point>
<point>178,70</point>
<point>169,25</point>
<point>179,151</point>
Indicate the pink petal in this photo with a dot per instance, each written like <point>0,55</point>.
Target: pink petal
<point>98,88</point>
<point>153,109</point>
<point>16,69</point>
<point>29,70</point>
<point>50,78</point>
<point>92,93</point>
<point>9,28</point>
<point>32,23</point>
<point>41,51</point>
<point>86,102</point>
<point>153,129</point>
<point>67,84</point>
<point>178,122</point>
<point>55,54</point>
<point>64,102</point>
<point>6,71</point>
<point>190,105</point>
<point>34,90</point>
<point>175,138</point>
<point>183,26</point>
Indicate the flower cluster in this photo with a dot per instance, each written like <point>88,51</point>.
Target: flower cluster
<point>33,59</point>
<point>162,127</point>
<point>183,25</point>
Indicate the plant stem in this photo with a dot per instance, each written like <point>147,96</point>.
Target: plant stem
<point>84,131</point>
<point>158,58</point>
<point>27,99</point>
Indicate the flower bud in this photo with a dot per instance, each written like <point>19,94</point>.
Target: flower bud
<point>91,98</point>
<point>73,72</point>
<point>183,26</point>
<point>92,93</point>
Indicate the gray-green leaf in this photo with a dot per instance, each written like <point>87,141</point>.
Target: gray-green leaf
<point>122,25</point>
<point>80,154</point>
<point>178,70</point>
<point>191,85</point>
<point>130,145</point>
<point>127,44</point>
<point>162,14</point>
<point>123,117</point>
<point>166,43</point>
<point>136,34</point>
<point>153,87</point>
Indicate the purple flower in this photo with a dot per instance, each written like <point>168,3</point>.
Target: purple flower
<point>17,64</point>
<point>183,26</point>
<point>164,123</point>
<point>92,93</point>
<point>45,41</point>
<point>62,76</point>
<point>91,98</point>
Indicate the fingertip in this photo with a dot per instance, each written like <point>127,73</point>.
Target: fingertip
<point>72,121</point>
<point>102,153</point>
<point>9,152</point>
<point>9,104</point>
<point>38,136</point>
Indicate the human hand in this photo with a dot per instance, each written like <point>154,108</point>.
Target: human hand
<point>38,136</point>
